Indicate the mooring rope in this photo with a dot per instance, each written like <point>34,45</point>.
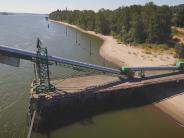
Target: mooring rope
<point>31,126</point>
<point>38,121</point>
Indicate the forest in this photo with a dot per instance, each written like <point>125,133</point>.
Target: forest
<point>134,24</point>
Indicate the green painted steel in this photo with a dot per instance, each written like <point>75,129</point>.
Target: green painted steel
<point>42,76</point>
<point>180,65</point>
<point>125,70</point>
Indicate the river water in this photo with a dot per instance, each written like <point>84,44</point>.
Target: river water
<point>21,31</point>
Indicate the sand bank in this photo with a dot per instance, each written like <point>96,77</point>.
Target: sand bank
<point>179,37</point>
<point>121,54</point>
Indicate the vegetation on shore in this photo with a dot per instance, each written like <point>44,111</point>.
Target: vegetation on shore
<point>179,50</point>
<point>148,25</point>
<point>178,15</point>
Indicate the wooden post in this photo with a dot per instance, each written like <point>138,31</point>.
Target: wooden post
<point>76,37</point>
<point>90,48</point>
<point>66,31</point>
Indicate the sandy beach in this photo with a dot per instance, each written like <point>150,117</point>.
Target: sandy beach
<point>121,54</point>
<point>180,38</point>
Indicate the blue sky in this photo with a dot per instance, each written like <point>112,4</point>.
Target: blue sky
<point>46,6</point>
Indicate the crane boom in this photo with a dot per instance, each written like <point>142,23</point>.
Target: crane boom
<point>28,55</point>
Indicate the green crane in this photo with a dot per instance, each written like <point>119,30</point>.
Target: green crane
<point>41,70</point>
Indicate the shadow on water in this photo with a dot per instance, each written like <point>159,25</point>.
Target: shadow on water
<point>119,100</point>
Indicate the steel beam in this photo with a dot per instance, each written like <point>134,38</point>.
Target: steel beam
<point>28,55</point>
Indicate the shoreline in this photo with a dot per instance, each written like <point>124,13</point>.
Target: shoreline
<point>121,54</point>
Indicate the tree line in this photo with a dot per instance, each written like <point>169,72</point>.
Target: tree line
<point>134,24</point>
<point>178,15</point>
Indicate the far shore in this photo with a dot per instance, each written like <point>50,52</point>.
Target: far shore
<point>121,54</point>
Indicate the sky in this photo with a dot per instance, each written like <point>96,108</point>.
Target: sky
<point>47,6</point>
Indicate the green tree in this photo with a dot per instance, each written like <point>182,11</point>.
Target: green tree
<point>157,22</point>
<point>149,23</point>
<point>180,18</point>
<point>179,48</point>
<point>102,24</point>
<point>164,15</point>
<point>124,24</point>
<point>137,30</point>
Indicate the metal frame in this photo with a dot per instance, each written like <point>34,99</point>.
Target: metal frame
<point>42,70</point>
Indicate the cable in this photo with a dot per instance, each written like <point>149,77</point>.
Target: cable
<point>31,126</point>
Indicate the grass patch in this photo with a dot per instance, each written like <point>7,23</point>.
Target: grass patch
<point>180,60</point>
<point>156,48</point>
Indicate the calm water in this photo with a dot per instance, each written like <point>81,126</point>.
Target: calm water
<point>22,32</point>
